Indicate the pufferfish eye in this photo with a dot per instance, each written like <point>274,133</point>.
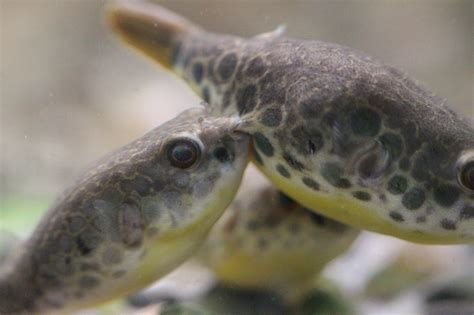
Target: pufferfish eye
<point>465,169</point>
<point>183,152</point>
<point>466,175</point>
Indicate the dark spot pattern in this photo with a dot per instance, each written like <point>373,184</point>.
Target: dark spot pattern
<point>112,256</point>
<point>397,185</point>
<point>420,170</point>
<point>130,224</point>
<point>222,155</point>
<point>118,274</point>
<point>361,195</point>
<point>311,183</point>
<point>88,282</point>
<point>258,158</point>
<point>87,242</point>
<point>332,172</point>
<point>409,133</point>
<point>393,143</point>
<point>307,142</point>
<point>283,171</point>
<point>198,72</point>
<point>414,198</point>
<point>446,195</point>
<point>467,213</point>
<point>448,224</point>
<point>227,66</point>
<point>271,91</point>
<point>396,216</point>
<point>263,144</point>
<point>404,164</point>
<point>293,162</point>
<point>256,68</point>
<point>142,185</point>
<point>271,117</point>
<point>246,99</point>
<point>75,223</point>
<point>420,219</point>
<point>206,95</point>
<point>365,122</point>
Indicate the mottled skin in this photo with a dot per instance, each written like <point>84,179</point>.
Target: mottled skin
<point>266,241</point>
<point>129,220</point>
<point>335,129</point>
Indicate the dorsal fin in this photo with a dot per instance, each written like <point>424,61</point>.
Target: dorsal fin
<point>277,32</point>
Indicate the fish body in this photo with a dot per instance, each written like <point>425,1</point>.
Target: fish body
<point>266,241</point>
<point>337,130</point>
<point>130,219</point>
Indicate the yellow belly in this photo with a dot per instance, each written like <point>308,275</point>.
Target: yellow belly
<point>351,212</point>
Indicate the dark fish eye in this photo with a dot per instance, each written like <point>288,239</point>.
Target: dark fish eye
<point>183,153</point>
<point>466,175</point>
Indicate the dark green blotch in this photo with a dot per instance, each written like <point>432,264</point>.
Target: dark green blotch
<point>311,183</point>
<point>246,99</point>
<point>397,185</point>
<point>467,213</point>
<point>293,162</point>
<point>88,282</point>
<point>283,171</point>
<point>446,195</point>
<point>414,198</point>
<point>141,185</point>
<point>393,143</point>
<point>365,122</point>
<point>87,242</point>
<point>206,94</point>
<point>307,142</point>
<point>263,144</point>
<point>256,67</point>
<point>448,224</point>
<point>420,170</point>
<point>271,117</point>
<point>361,195</point>
<point>396,216</point>
<point>198,72</point>
<point>404,164</point>
<point>227,66</point>
<point>332,172</point>
<point>258,158</point>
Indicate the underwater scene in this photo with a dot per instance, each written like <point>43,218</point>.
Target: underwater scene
<point>237,157</point>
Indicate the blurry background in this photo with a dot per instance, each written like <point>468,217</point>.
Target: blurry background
<point>71,93</point>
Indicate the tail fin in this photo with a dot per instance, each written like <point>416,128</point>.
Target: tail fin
<point>150,28</point>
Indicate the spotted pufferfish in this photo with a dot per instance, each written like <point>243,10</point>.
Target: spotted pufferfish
<point>335,129</point>
<point>130,219</point>
<point>266,241</point>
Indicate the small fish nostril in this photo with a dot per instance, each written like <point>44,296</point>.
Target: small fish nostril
<point>222,155</point>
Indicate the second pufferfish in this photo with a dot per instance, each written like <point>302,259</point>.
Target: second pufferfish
<point>267,241</point>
